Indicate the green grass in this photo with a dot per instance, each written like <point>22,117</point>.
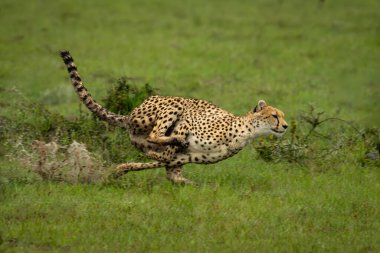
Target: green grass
<point>263,209</point>
<point>233,53</point>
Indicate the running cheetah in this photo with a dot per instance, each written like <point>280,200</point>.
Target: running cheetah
<point>175,131</point>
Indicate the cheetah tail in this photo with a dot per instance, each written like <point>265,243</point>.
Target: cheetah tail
<point>85,96</point>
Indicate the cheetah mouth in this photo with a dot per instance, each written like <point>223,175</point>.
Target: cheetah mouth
<point>277,131</point>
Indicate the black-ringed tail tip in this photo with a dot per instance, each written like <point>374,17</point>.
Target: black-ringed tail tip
<point>64,53</point>
<point>68,60</point>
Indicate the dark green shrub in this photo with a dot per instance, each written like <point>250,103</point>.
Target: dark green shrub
<point>124,96</point>
<point>312,141</point>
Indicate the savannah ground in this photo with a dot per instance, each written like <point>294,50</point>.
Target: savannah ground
<point>320,192</point>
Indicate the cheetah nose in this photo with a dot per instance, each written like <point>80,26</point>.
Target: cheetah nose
<point>285,126</point>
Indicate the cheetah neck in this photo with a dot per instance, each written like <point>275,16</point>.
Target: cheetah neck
<point>251,123</point>
<point>244,131</point>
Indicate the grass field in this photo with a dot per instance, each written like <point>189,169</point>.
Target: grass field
<point>291,53</point>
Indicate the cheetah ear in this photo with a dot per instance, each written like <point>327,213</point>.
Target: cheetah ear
<point>260,105</point>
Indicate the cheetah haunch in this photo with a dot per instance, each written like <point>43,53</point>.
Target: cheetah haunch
<point>175,131</point>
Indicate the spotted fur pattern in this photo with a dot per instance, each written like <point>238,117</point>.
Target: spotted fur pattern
<point>175,131</point>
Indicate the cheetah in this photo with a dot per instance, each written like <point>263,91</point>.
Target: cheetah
<point>175,131</point>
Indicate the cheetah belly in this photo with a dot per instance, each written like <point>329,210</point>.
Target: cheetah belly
<point>206,151</point>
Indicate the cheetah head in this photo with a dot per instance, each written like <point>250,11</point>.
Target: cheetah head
<point>269,120</point>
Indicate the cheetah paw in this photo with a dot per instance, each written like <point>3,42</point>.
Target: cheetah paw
<point>120,170</point>
<point>181,142</point>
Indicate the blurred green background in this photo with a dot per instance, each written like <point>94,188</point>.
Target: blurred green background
<point>290,53</point>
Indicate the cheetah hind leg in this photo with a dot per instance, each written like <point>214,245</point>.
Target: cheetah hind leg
<point>127,167</point>
<point>174,174</point>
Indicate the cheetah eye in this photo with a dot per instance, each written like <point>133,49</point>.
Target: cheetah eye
<point>275,116</point>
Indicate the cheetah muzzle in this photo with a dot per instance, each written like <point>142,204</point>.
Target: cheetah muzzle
<point>175,131</point>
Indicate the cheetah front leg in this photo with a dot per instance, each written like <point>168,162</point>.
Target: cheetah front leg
<point>165,156</point>
<point>174,174</point>
<point>168,140</point>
